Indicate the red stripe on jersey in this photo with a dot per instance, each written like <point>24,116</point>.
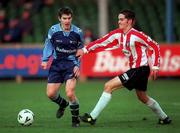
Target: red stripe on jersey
<point>128,48</point>
<point>121,39</point>
<point>139,53</point>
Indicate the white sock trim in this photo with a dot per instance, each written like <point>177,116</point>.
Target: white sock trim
<point>74,102</point>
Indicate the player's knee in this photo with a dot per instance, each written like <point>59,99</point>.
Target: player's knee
<point>70,94</point>
<point>51,94</point>
<point>108,87</point>
<point>142,99</point>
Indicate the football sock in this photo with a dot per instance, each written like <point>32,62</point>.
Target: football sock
<point>74,107</point>
<point>60,101</point>
<point>156,108</point>
<point>103,101</point>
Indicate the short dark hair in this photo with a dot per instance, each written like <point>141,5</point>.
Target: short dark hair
<point>65,10</point>
<point>129,14</point>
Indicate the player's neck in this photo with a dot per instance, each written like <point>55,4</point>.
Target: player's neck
<point>125,31</point>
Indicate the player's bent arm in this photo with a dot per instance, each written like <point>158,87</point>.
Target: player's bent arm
<point>151,44</point>
<point>48,48</point>
<point>47,51</point>
<point>76,71</point>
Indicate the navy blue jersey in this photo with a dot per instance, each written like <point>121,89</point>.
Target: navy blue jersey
<point>63,45</point>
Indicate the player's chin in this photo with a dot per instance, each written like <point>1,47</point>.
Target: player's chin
<point>120,27</point>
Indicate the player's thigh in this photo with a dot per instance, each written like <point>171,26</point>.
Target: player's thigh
<point>113,84</point>
<point>52,88</point>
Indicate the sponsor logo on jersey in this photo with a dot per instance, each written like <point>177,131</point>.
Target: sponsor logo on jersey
<point>65,51</point>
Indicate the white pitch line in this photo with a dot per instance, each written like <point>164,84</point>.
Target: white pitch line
<point>176,104</point>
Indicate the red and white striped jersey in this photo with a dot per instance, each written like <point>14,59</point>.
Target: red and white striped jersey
<point>134,44</point>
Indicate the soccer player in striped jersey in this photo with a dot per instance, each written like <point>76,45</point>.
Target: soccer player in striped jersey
<point>135,45</point>
<point>63,41</point>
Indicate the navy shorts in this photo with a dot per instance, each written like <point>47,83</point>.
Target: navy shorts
<point>60,71</point>
<point>136,78</point>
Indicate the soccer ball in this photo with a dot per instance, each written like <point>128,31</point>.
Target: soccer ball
<point>25,117</point>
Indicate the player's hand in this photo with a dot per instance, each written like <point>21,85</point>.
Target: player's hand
<point>79,53</point>
<point>44,65</point>
<point>154,74</point>
<point>76,71</point>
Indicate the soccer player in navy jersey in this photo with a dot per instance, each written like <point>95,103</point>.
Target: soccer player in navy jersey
<point>63,41</point>
<point>135,45</point>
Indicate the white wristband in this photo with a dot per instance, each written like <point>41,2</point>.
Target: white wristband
<point>155,68</point>
<point>84,50</point>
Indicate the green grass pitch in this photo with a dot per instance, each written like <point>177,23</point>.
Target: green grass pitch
<point>124,113</point>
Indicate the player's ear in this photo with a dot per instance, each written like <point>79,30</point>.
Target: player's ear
<point>130,21</point>
<point>59,19</point>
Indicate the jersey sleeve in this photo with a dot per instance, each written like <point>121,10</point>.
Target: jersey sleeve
<point>154,47</point>
<point>107,42</point>
<point>48,48</point>
<point>81,42</point>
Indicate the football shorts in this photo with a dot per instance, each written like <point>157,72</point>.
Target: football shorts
<point>61,71</point>
<point>136,78</point>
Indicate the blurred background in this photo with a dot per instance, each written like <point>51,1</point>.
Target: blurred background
<point>24,25</point>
